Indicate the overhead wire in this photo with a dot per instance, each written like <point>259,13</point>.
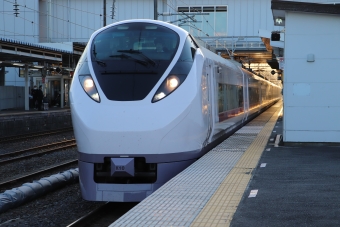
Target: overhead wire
<point>193,25</point>
<point>54,16</point>
<point>216,39</point>
<point>15,33</point>
<point>32,23</point>
<point>171,5</point>
<point>88,12</point>
<point>201,15</point>
<point>71,45</point>
<point>49,29</point>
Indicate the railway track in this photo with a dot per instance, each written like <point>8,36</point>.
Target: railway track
<point>103,215</point>
<point>30,136</point>
<point>34,160</point>
<point>17,181</point>
<point>36,151</point>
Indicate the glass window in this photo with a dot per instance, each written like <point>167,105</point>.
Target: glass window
<point>221,23</point>
<point>221,9</point>
<point>196,9</point>
<point>189,50</point>
<point>230,101</point>
<point>208,22</point>
<point>208,9</point>
<point>137,39</point>
<point>214,24</point>
<point>183,9</point>
<point>129,59</point>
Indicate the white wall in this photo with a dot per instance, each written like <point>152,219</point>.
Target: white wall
<point>312,89</point>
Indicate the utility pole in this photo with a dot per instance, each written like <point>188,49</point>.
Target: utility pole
<point>113,9</point>
<point>155,9</point>
<point>104,13</point>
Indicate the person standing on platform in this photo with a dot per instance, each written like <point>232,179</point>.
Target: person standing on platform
<point>34,93</point>
<point>40,96</point>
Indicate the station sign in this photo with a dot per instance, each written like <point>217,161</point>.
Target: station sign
<point>281,61</point>
<point>31,72</point>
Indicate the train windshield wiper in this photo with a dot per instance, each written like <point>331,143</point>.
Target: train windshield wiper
<point>153,63</point>
<point>101,63</point>
<point>145,63</point>
<point>128,72</point>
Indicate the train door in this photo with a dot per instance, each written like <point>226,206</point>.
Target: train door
<point>206,98</point>
<point>245,96</point>
<point>212,96</point>
<point>261,93</point>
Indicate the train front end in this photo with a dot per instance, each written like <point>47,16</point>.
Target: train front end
<point>132,98</point>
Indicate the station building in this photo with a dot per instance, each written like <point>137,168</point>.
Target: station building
<point>311,58</point>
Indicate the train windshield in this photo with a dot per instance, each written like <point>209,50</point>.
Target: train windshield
<point>129,59</point>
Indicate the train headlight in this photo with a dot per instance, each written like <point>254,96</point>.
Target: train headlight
<point>89,87</point>
<point>159,96</point>
<point>170,84</point>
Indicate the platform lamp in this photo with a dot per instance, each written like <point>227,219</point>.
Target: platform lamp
<point>56,69</point>
<point>43,75</point>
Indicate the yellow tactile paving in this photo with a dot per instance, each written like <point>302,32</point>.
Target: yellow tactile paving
<point>221,207</point>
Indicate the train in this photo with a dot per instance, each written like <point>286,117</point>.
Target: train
<point>147,100</point>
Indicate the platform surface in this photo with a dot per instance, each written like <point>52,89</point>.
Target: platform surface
<point>208,192</point>
<point>299,186</point>
<point>250,180</point>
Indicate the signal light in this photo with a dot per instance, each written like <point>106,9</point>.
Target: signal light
<point>275,37</point>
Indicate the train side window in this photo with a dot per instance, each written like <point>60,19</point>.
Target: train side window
<point>189,50</point>
<point>193,46</point>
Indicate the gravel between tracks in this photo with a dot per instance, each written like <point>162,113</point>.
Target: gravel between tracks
<point>58,208</point>
<point>23,167</point>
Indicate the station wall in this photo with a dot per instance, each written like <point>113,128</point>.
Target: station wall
<point>76,20</point>
<point>12,97</point>
<point>312,87</point>
<point>25,26</point>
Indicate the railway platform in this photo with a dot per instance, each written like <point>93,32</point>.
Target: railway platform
<point>18,122</point>
<point>250,179</point>
<point>21,112</point>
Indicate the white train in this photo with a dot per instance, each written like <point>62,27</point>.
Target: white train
<point>147,101</point>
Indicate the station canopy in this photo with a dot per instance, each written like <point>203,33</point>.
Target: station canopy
<point>15,53</point>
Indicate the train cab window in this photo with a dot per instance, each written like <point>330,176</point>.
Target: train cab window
<point>135,41</point>
<point>126,60</point>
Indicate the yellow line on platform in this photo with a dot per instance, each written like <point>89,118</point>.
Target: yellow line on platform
<point>221,207</point>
